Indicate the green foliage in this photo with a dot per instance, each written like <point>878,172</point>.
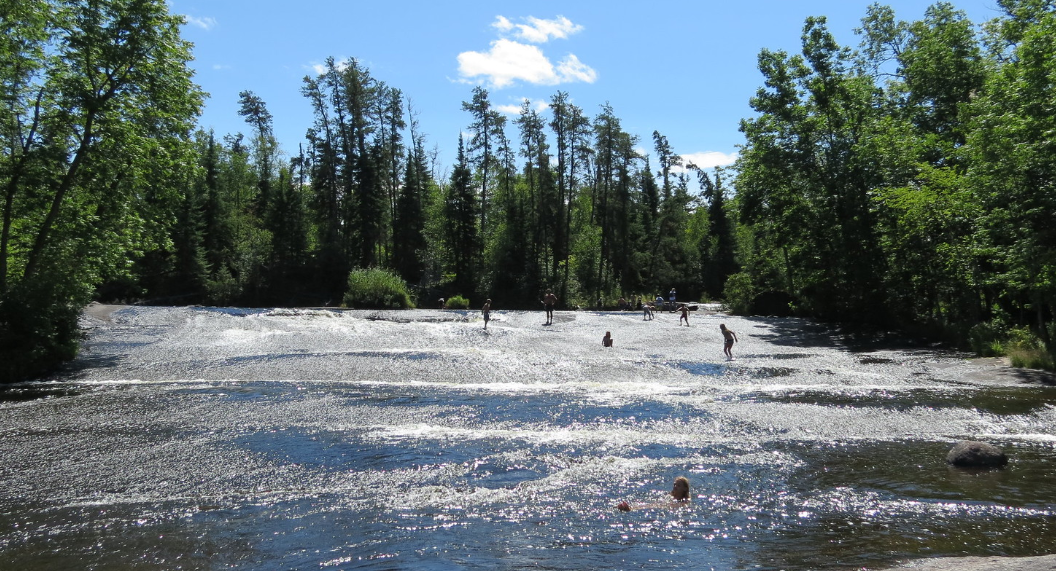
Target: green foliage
<point>987,339</point>
<point>376,288</point>
<point>1025,349</point>
<point>739,293</point>
<point>37,333</point>
<point>1031,358</point>
<point>98,106</point>
<point>456,302</point>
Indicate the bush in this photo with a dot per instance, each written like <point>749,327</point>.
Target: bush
<point>1031,358</point>
<point>378,289</point>
<point>457,302</point>
<point>1025,349</point>
<point>987,339</point>
<point>39,329</point>
<point>739,293</point>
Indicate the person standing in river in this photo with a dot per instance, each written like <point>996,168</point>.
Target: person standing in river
<point>486,310</point>
<point>549,301</point>
<point>729,338</point>
<point>684,316</point>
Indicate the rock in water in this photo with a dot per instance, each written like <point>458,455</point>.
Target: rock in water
<point>971,454</point>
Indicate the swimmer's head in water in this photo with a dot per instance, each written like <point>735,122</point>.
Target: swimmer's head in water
<point>680,491</point>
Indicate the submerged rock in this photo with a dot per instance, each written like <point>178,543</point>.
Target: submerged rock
<point>971,454</point>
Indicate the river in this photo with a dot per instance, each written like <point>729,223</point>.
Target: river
<point>203,438</point>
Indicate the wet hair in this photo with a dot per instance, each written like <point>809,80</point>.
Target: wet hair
<point>683,480</point>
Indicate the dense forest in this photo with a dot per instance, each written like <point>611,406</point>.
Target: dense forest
<point>908,183</point>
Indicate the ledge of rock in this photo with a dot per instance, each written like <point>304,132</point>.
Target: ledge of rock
<point>1040,563</point>
<point>971,454</point>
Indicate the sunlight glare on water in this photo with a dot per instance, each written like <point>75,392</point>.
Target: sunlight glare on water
<point>200,438</point>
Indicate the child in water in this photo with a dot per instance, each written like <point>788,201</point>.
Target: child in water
<point>729,338</point>
<point>486,310</point>
<point>685,315</point>
<point>606,341</point>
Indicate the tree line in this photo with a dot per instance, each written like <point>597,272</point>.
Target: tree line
<point>563,202</point>
<point>910,183</point>
<point>907,183</point>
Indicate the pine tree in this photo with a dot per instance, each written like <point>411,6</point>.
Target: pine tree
<point>461,211</point>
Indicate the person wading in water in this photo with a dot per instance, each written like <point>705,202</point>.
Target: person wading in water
<point>549,301</point>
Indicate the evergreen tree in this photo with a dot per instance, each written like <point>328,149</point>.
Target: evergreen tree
<point>487,128</point>
<point>408,232</point>
<point>463,240</point>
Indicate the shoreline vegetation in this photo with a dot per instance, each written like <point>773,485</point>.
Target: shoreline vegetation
<point>899,180</point>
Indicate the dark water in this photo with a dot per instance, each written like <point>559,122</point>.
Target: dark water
<point>212,439</point>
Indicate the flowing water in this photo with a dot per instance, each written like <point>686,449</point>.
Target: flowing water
<point>194,438</point>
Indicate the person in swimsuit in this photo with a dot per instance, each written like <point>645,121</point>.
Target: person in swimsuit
<point>486,310</point>
<point>729,338</point>
<point>606,341</point>
<point>679,497</point>
<point>549,301</point>
<point>685,315</point>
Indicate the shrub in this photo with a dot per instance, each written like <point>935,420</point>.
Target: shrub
<point>987,339</point>
<point>1031,358</point>
<point>39,328</point>
<point>739,293</point>
<point>1025,349</point>
<point>457,302</point>
<point>376,288</point>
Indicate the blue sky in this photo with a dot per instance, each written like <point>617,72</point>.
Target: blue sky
<point>685,69</point>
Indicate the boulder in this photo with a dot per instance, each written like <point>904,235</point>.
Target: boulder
<point>971,454</point>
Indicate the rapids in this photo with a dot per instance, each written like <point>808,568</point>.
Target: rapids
<point>203,438</point>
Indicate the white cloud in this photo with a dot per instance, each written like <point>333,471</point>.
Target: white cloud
<point>511,109</point>
<point>508,61</point>
<point>320,68</point>
<point>710,159</point>
<point>571,69</point>
<point>205,23</point>
<point>538,31</point>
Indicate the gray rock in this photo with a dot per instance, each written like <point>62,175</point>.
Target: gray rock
<point>971,454</point>
<point>1041,563</point>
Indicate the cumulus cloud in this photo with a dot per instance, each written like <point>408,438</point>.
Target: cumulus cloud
<point>571,69</point>
<point>538,31</point>
<point>508,60</point>
<point>710,159</point>
<point>511,109</point>
<point>205,23</point>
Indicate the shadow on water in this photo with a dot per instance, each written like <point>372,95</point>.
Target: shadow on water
<point>1035,376</point>
<point>795,332</point>
<point>36,391</point>
<point>703,368</point>
<point>998,400</point>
